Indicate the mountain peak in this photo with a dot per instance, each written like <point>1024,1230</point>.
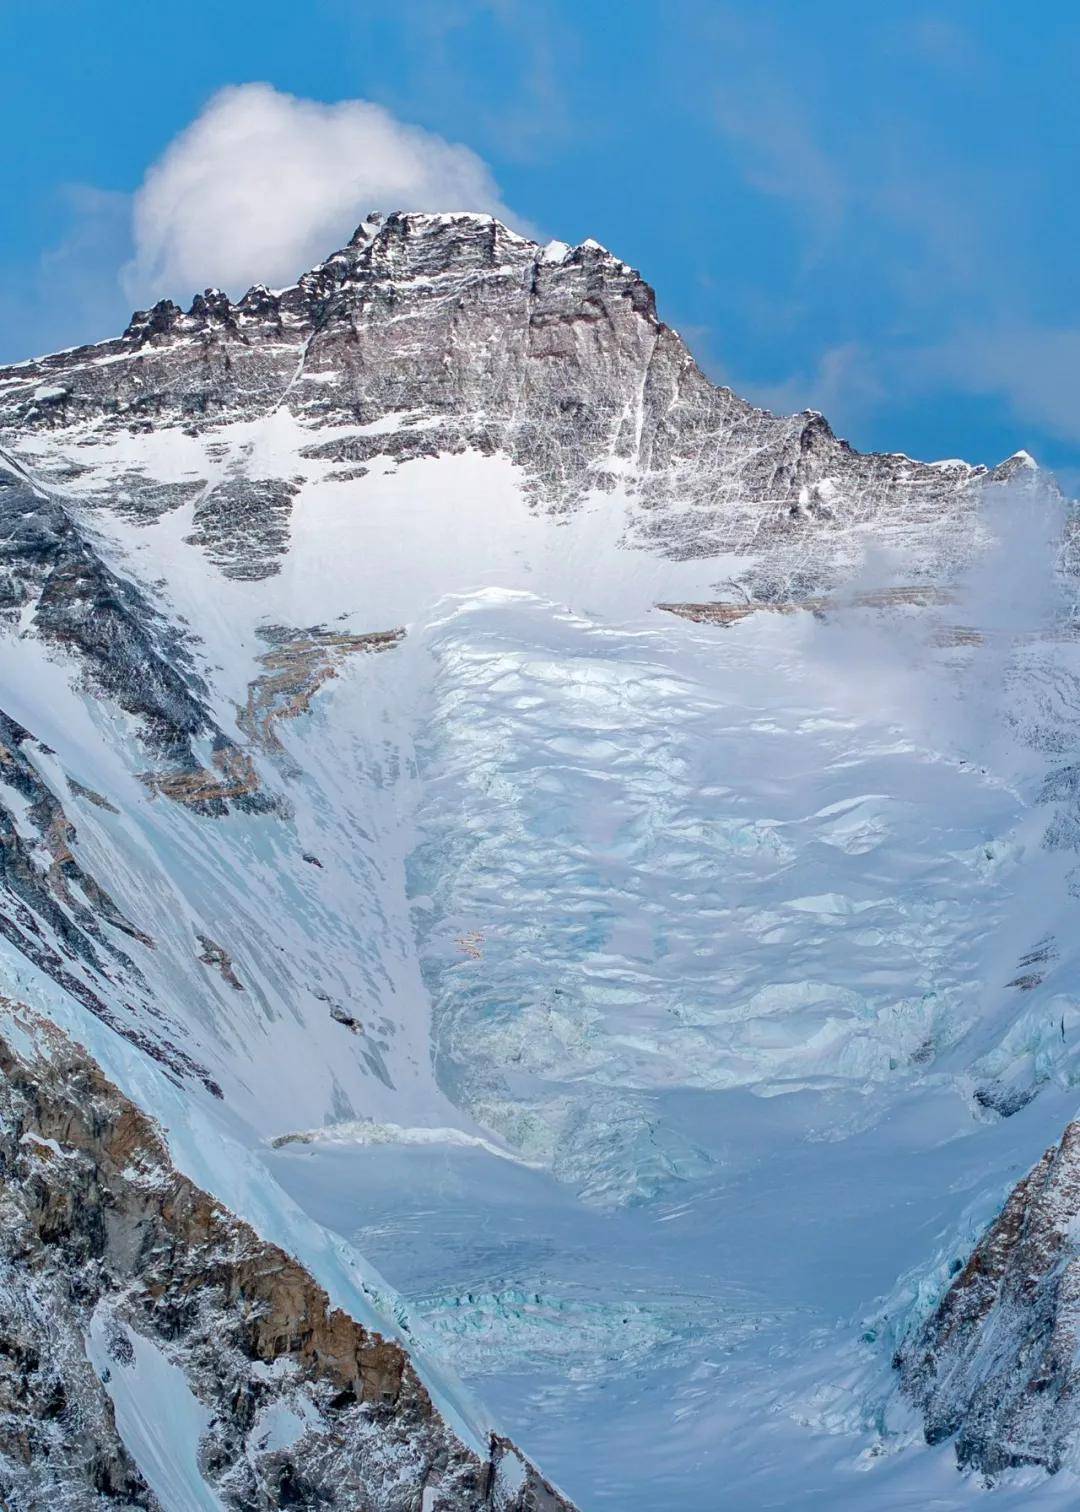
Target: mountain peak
<point>420,730</point>
<point>551,355</point>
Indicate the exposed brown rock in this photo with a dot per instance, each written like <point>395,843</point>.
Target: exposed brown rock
<point>297,665</point>
<point>218,957</point>
<point>234,776</point>
<point>96,1220</point>
<point>725,613</point>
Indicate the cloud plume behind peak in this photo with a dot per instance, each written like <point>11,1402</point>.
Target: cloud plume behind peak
<point>262,185</point>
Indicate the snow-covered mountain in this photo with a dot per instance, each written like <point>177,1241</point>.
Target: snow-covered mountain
<point>526,824</point>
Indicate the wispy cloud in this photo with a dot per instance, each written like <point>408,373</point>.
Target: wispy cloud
<point>1033,369</point>
<point>768,123</point>
<point>939,41</point>
<point>503,67</point>
<point>1036,369</point>
<point>72,293</point>
<point>781,157</point>
<point>844,380</point>
<point>933,241</point>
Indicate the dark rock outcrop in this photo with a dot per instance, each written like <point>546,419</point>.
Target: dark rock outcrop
<point>50,570</point>
<point>61,919</point>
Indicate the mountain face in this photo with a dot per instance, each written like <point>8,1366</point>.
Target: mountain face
<point>479,801</point>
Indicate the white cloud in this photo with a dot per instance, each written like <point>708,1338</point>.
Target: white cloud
<point>780,156</point>
<point>941,42</point>
<point>262,185</point>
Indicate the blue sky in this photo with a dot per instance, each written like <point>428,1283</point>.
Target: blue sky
<point>865,208</point>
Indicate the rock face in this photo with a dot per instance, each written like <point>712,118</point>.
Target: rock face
<point>476,338</point>
<point>996,1365</point>
<point>296,666</point>
<point>56,584</point>
<point>107,1250</point>
<point>55,581</point>
<point>59,917</point>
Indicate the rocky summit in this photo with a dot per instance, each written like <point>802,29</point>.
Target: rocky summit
<point>537,906</point>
